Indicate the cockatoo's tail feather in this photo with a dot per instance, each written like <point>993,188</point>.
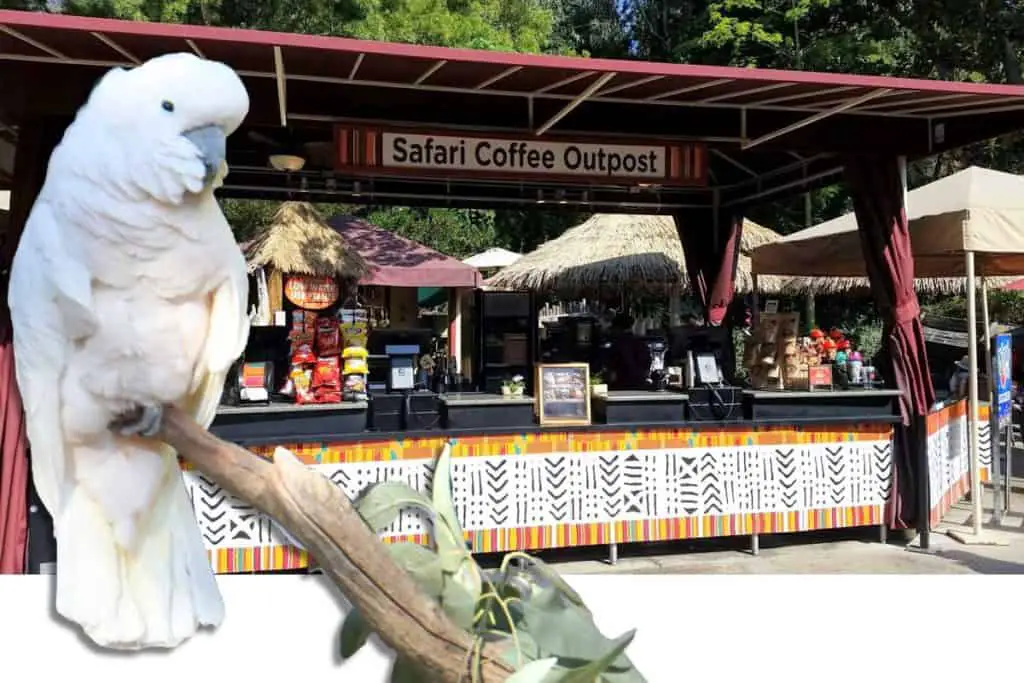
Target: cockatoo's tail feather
<point>155,595</point>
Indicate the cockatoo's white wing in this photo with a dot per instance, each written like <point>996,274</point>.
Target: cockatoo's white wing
<point>50,298</point>
<point>225,341</point>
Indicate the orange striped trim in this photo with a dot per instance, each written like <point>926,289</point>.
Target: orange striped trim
<point>269,558</point>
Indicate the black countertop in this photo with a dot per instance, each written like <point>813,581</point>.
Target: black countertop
<point>483,399</point>
<point>277,408</point>
<point>640,395</point>
<point>682,425</point>
<point>346,422</point>
<point>825,394</point>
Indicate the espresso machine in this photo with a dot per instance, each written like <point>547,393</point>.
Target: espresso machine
<point>657,376</point>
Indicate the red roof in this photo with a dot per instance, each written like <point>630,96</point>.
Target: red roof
<point>396,261</point>
<point>773,131</point>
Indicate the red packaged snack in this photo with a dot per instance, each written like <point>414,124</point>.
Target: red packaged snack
<point>328,338</point>
<point>302,378</point>
<point>302,353</point>
<point>327,373</point>
<point>327,380</point>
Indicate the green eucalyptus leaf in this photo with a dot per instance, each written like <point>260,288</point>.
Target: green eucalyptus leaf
<point>423,565</point>
<point>548,573</point>
<point>528,650</point>
<point>599,669</point>
<point>447,529</point>
<point>404,671</point>
<point>354,633</point>
<point>568,632</point>
<point>458,604</point>
<point>380,504</point>
<point>534,672</point>
<point>456,560</point>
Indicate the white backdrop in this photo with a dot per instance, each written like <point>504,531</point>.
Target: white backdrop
<point>690,628</point>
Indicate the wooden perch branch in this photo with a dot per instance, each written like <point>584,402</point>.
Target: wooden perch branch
<point>321,517</point>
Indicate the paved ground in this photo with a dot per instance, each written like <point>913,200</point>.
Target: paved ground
<point>847,552</point>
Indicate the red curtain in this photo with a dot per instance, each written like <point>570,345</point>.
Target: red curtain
<point>877,191</point>
<point>36,140</point>
<point>711,259</point>
<point>13,461</point>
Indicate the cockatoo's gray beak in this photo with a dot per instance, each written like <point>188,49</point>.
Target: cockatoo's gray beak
<point>212,145</point>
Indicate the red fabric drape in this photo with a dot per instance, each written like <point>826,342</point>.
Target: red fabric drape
<point>13,463</point>
<point>36,140</point>
<point>877,191</point>
<point>885,239</point>
<point>711,262</point>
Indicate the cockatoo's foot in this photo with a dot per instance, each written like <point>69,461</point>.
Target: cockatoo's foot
<point>140,421</point>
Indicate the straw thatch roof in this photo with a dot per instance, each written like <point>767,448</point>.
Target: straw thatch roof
<point>299,242</point>
<point>613,252</point>
<point>860,285</point>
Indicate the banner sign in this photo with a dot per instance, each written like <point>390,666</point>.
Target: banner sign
<point>393,152</point>
<point>1004,379</point>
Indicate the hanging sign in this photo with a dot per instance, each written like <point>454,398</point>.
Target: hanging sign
<point>449,154</point>
<point>311,293</point>
<point>1004,377</point>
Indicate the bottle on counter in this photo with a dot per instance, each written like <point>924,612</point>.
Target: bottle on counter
<point>855,367</point>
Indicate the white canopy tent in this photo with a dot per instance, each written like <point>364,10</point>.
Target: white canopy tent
<point>495,257</point>
<point>968,224</point>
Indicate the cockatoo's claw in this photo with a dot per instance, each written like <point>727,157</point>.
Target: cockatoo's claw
<point>140,421</point>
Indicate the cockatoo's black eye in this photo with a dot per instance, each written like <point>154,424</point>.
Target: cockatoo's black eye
<point>167,105</point>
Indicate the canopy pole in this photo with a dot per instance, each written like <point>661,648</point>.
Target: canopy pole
<point>809,298</point>
<point>972,392</point>
<point>755,303</point>
<point>993,422</point>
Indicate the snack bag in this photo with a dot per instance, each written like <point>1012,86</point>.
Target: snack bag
<point>328,338</point>
<point>327,380</point>
<point>302,353</point>
<point>302,379</point>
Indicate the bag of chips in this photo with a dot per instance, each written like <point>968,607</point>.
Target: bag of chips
<point>302,381</point>
<point>328,338</point>
<point>302,353</point>
<point>327,380</point>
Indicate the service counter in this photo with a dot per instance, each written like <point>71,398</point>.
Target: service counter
<point>949,466</point>
<point>533,488</point>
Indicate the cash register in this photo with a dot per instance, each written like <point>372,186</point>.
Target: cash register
<point>704,353</point>
<point>396,401</point>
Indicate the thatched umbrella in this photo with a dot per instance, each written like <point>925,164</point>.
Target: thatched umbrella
<point>823,286</point>
<point>615,252</point>
<point>299,242</point>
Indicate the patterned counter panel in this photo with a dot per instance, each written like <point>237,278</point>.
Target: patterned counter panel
<point>550,490</point>
<point>949,474</point>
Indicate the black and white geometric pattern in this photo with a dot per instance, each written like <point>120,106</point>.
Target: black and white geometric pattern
<point>494,492</point>
<point>949,455</point>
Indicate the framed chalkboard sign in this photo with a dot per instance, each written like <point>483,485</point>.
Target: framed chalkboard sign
<point>563,394</point>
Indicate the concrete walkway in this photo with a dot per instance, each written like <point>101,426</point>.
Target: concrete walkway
<point>855,551</point>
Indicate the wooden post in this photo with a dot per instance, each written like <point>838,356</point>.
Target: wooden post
<point>275,292</point>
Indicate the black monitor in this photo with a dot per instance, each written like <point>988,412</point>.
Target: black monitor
<point>378,340</point>
<point>716,340</point>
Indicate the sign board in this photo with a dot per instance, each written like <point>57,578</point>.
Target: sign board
<point>563,394</point>
<point>497,156</point>
<point>311,293</point>
<point>819,377</point>
<point>771,306</point>
<point>1004,377</point>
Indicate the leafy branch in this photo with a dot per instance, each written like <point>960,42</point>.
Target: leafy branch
<point>447,620</point>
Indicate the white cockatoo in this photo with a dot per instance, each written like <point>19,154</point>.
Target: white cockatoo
<point>128,293</point>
